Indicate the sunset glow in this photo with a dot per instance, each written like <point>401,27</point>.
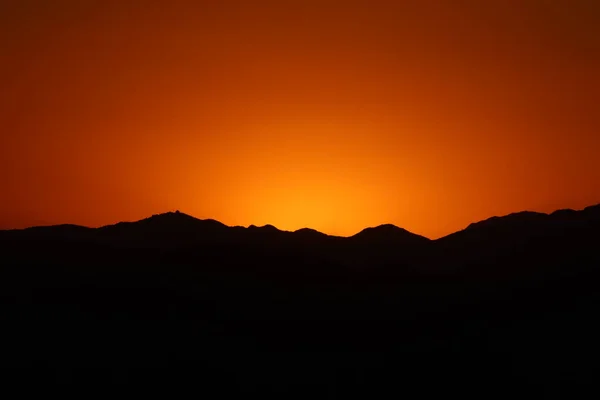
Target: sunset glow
<point>336,115</point>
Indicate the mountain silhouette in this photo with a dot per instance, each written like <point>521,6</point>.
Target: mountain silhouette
<point>524,228</point>
<point>181,223</point>
<point>505,305</point>
<point>171,222</point>
<point>264,229</point>
<point>387,233</point>
<point>309,233</point>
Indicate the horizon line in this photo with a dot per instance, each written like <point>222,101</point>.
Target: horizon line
<point>176,211</point>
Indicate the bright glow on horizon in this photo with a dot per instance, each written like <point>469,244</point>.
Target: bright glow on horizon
<point>333,115</point>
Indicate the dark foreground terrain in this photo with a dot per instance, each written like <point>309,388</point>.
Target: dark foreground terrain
<point>506,307</point>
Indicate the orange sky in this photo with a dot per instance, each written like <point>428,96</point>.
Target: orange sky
<point>335,115</point>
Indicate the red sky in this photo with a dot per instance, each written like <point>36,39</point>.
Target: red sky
<point>334,115</point>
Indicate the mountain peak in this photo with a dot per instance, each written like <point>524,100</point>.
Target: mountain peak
<point>381,229</point>
<point>309,232</point>
<point>265,228</point>
<point>178,218</point>
<point>387,232</point>
<point>170,215</point>
<point>169,222</point>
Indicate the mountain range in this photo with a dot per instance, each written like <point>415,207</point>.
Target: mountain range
<point>173,225</point>
<point>507,305</point>
<point>180,221</point>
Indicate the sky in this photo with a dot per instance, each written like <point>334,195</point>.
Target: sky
<point>334,115</point>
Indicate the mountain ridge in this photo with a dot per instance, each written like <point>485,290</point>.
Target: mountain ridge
<point>177,218</point>
<point>198,291</point>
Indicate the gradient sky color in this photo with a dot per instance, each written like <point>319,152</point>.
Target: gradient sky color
<point>334,115</point>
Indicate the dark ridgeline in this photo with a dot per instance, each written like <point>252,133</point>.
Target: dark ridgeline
<point>505,307</point>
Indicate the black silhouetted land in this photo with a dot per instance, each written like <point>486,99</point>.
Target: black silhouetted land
<point>506,307</point>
